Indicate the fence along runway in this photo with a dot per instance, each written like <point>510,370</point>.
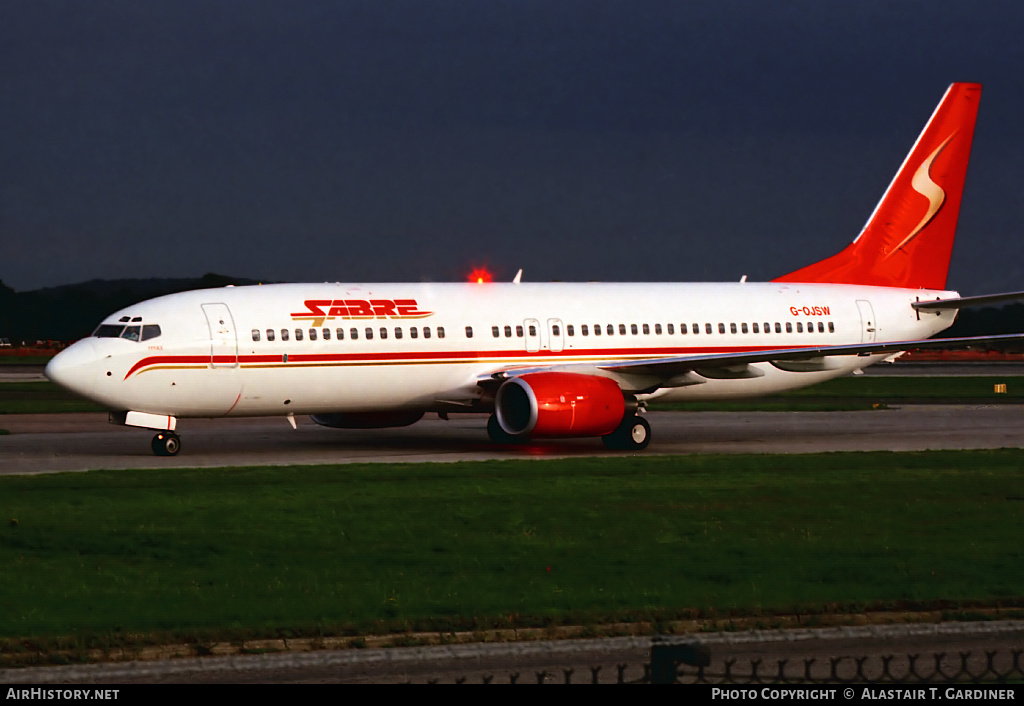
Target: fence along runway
<point>918,653</point>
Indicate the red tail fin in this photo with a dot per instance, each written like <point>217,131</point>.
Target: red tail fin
<point>908,240</point>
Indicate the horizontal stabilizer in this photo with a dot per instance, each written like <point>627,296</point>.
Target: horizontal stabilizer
<point>965,302</point>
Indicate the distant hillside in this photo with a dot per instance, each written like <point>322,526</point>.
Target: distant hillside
<point>72,311</point>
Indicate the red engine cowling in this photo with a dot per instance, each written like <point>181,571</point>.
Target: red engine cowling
<point>559,404</point>
<point>367,420</point>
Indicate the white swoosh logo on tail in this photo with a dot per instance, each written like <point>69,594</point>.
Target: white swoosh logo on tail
<point>923,184</point>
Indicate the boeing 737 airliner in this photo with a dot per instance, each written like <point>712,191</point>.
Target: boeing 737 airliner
<point>545,360</point>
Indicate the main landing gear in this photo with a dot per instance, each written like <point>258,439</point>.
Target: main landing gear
<point>632,435</point>
<point>166,443</point>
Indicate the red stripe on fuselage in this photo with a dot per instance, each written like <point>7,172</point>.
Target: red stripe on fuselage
<point>428,357</point>
<point>168,359</point>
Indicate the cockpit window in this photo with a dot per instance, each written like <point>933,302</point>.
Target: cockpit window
<point>108,331</point>
<point>129,333</point>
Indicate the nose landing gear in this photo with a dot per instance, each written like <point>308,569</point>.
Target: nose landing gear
<point>166,443</point>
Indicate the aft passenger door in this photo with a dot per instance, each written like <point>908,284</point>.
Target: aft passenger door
<point>868,326</point>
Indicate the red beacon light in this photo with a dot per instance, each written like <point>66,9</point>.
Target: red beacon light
<point>480,275</point>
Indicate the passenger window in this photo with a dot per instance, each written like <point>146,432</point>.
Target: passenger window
<point>556,330</point>
<point>369,333</point>
<point>255,334</point>
<point>414,332</point>
<point>610,330</point>
<point>353,333</point>
<point>398,332</point>
<point>831,327</point>
<point>440,331</point>
<point>597,329</point>
<point>778,327</point>
<point>743,328</point>
<point>519,331</point>
<point>426,332</point>
<point>633,329</point>
<point>495,331</point>
<point>799,327</point>
<point>298,334</point>
<point>810,327</point>
<point>508,332</point>
<point>570,330</point>
<point>340,334</point>
<point>721,327</point>
<point>383,333</point>
<point>312,334</point>
<point>708,329</point>
<point>732,328</point>
<point>671,328</point>
<point>533,330</point>
<point>284,334</point>
<point>584,329</point>
<point>327,334</point>
<point>756,329</point>
<point>622,329</point>
<point>789,327</point>
<point>821,327</point>
<point>767,327</point>
<point>270,334</point>
<point>469,332</point>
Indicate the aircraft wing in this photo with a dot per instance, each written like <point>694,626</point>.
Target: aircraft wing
<point>649,374</point>
<point>677,365</point>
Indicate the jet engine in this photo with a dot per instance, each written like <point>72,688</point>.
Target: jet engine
<point>559,404</point>
<point>368,420</point>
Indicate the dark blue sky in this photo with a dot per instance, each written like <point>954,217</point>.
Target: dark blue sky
<point>380,140</point>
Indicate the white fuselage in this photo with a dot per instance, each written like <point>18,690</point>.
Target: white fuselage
<point>322,348</point>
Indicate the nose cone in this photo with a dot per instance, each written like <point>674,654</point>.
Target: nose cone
<point>74,368</point>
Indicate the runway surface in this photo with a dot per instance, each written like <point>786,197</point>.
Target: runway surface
<point>80,442</point>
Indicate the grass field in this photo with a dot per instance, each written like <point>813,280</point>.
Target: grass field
<point>41,398</point>
<point>179,555</point>
<point>25,359</point>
